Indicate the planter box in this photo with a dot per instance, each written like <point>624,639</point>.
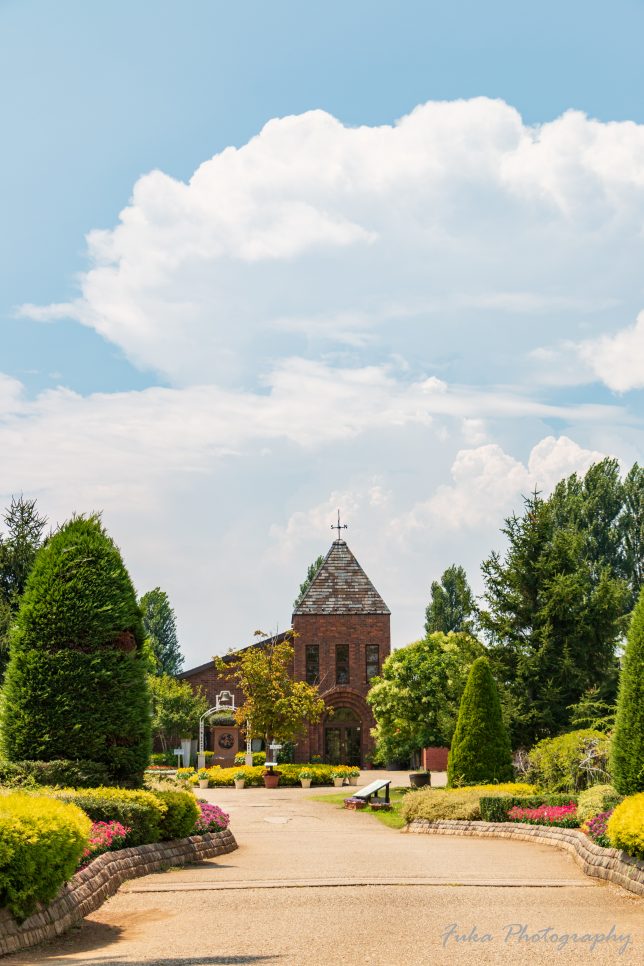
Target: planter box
<point>418,779</point>
<point>355,804</point>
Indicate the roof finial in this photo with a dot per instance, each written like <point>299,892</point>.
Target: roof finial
<point>339,526</point>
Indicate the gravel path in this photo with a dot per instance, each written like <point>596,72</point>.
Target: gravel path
<point>313,884</point>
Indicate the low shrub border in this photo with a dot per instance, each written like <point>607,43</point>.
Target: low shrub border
<point>596,861</point>
<point>99,880</point>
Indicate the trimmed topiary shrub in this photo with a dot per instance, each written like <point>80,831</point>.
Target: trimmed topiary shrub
<point>627,753</point>
<point>570,762</point>
<point>480,750</point>
<point>142,812</point>
<point>75,686</point>
<point>41,844</point>
<point>625,827</point>
<point>181,814</point>
<point>593,801</point>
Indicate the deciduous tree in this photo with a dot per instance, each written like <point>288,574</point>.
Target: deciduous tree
<point>176,708</point>
<point>276,707</point>
<point>415,700</point>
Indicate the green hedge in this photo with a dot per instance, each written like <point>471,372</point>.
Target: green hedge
<point>181,814</point>
<point>495,809</point>
<point>41,843</point>
<point>65,774</point>
<point>143,812</point>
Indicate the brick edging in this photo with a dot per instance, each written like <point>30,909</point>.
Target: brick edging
<point>595,861</point>
<point>89,888</point>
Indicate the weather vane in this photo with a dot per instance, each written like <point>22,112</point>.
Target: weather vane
<point>339,526</point>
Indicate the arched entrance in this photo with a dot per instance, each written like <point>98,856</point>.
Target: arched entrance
<point>343,738</point>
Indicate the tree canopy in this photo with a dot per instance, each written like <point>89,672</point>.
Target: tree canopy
<point>452,606</point>
<point>161,631</point>
<point>276,706</point>
<point>176,708</point>
<point>556,603</point>
<point>18,548</point>
<point>306,583</point>
<point>75,686</point>
<point>415,700</point>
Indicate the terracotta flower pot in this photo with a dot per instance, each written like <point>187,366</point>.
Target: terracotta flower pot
<point>271,781</point>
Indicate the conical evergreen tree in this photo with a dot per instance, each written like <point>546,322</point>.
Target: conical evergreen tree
<point>75,686</point>
<point>627,755</point>
<point>481,750</point>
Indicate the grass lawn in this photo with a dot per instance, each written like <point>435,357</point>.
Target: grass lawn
<point>392,819</point>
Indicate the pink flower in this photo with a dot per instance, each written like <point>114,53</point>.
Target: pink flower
<point>564,816</point>
<point>212,819</point>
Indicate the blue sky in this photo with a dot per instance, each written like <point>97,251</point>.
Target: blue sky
<point>487,259</point>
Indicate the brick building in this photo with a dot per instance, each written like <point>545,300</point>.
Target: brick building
<point>342,638</point>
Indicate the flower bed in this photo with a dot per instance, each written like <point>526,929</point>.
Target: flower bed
<point>563,816</point>
<point>103,837</point>
<point>595,828</point>
<point>289,775</point>
<point>211,819</point>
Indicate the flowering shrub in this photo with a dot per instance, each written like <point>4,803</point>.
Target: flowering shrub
<point>211,819</point>
<point>563,816</point>
<point>103,837</point>
<point>626,826</point>
<point>595,828</point>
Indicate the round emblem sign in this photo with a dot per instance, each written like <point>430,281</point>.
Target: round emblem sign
<point>226,741</point>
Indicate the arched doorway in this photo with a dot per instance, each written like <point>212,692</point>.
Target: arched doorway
<point>343,738</point>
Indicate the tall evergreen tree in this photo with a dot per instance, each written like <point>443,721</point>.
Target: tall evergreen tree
<point>161,631</point>
<point>480,750</point>
<point>631,525</point>
<point>627,754</point>
<point>555,611</point>
<point>452,606</point>
<point>306,583</point>
<point>75,686</point>
<point>18,548</point>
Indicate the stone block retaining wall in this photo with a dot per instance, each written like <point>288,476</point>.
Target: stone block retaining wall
<point>100,879</point>
<point>596,861</point>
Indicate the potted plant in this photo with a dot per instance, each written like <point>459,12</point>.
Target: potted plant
<point>420,778</point>
<point>354,775</point>
<point>202,778</point>
<point>271,777</point>
<point>306,776</point>
<point>240,779</point>
<point>338,778</point>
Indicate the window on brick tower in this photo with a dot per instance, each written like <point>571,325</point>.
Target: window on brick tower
<point>312,664</point>
<point>342,664</point>
<point>372,655</point>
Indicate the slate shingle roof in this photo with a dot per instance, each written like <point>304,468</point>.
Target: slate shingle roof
<point>341,587</point>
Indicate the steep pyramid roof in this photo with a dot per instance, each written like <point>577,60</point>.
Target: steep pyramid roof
<point>341,587</point>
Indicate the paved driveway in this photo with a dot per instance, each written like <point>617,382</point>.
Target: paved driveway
<point>312,884</point>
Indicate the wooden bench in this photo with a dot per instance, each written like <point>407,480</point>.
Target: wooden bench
<point>371,791</point>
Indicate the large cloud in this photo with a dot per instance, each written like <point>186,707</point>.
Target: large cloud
<point>315,231</point>
<point>618,360</point>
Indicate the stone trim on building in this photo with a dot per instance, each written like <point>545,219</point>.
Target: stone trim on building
<point>611,864</point>
<point>90,887</point>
